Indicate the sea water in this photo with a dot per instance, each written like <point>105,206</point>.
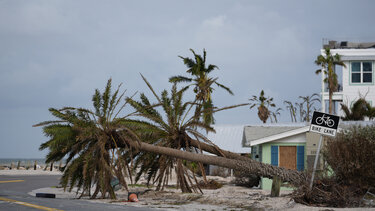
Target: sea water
<point>23,161</point>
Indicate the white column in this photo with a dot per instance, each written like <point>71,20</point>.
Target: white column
<point>323,90</point>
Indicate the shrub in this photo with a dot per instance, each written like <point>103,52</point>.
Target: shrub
<point>351,156</point>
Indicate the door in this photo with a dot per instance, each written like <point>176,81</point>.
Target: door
<point>288,157</point>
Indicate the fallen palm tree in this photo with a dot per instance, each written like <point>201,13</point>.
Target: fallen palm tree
<point>100,145</point>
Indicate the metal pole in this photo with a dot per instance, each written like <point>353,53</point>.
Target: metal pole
<point>316,161</point>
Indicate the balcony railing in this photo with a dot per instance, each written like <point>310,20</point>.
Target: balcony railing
<point>339,88</point>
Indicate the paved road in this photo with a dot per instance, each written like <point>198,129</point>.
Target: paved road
<point>13,196</point>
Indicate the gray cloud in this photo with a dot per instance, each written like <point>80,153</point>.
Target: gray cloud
<point>55,53</point>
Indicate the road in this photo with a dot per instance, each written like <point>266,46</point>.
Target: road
<point>14,189</point>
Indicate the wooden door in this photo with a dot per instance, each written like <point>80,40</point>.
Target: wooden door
<point>288,157</point>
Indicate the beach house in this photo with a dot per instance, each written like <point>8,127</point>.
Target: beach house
<point>286,145</point>
<point>356,79</point>
<point>283,145</point>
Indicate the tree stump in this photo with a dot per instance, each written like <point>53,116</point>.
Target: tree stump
<point>276,184</point>
<point>35,165</point>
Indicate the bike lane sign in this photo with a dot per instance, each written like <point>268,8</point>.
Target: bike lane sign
<point>325,124</point>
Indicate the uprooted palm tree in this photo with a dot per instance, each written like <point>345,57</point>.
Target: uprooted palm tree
<point>328,63</point>
<point>86,138</point>
<point>264,103</point>
<point>202,83</point>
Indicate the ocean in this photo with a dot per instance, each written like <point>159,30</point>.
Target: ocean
<point>23,161</point>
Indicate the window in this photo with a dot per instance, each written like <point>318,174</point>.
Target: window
<point>361,72</point>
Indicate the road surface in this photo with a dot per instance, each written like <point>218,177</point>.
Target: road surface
<point>14,189</point>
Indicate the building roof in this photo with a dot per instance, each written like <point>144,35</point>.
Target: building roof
<point>255,135</point>
<point>349,45</point>
<point>229,137</point>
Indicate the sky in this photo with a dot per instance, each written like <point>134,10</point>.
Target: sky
<point>56,53</point>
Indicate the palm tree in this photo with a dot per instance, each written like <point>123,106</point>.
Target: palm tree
<point>274,114</point>
<point>176,140</point>
<point>302,111</point>
<point>263,103</point>
<point>358,111</point>
<point>175,131</point>
<point>202,83</point>
<point>86,138</point>
<point>309,101</point>
<point>292,109</point>
<point>328,63</point>
<point>90,139</point>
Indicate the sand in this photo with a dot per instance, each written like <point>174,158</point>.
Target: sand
<point>229,197</point>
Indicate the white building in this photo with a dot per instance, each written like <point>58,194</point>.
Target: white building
<point>356,79</point>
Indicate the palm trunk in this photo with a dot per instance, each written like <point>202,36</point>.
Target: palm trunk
<point>249,166</point>
<point>330,101</point>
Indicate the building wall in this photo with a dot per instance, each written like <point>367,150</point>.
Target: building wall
<point>300,140</point>
<point>351,92</point>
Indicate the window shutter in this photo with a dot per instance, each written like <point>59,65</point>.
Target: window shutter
<point>275,155</point>
<point>300,158</point>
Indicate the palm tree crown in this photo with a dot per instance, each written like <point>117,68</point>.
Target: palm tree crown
<point>263,103</point>
<point>87,138</point>
<point>202,83</point>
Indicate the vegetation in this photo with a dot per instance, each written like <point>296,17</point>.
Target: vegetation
<point>358,111</point>
<point>264,103</point>
<point>349,157</point>
<point>172,132</point>
<point>328,63</point>
<point>304,109</point>
<point>86,138</point>
<point>202,84</point>
<point>156,139</point>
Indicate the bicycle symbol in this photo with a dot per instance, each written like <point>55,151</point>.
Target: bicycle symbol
<point>326,120</point>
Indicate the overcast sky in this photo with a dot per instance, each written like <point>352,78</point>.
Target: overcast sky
<point>56,53</point>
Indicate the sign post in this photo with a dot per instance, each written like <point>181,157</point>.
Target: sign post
<point>324,124</point>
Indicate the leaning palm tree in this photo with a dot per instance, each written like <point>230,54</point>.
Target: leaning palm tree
<point>264,103</point>
<point>202,83</point>
<point>86,138</point>
<point>328,63</point>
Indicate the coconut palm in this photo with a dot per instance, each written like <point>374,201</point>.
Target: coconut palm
<point>87,138</point>
<point>202,83</point>
<point>328,63</point>
<point>309,101</point>
<point>264,103</point>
